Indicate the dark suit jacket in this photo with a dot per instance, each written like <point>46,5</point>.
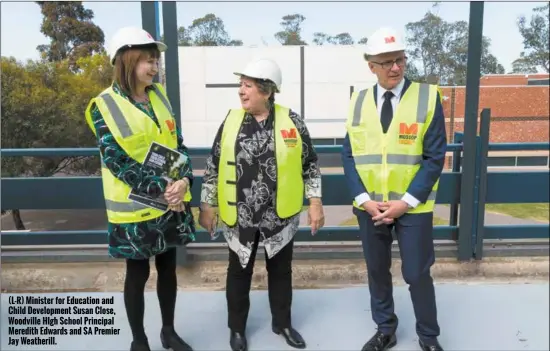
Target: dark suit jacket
<point>434,148</point>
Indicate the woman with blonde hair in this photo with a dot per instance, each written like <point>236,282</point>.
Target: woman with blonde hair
<point>127,118</point>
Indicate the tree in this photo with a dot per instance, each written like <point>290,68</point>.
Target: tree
<point>339,39</point>
<point>440,48</point>
<point>71,31</point>
<point>209,31</point>
<point>184,37</point>
<point>536,42</point>
<point>292,28</point>
<point>205,31</point>
<point>235,42</point>
<point>363,41</point>
<point>43,105</point>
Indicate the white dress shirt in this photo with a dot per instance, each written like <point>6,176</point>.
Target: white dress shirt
<point>408,198</point>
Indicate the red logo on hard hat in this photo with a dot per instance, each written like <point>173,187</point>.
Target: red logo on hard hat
<point>389,40</point>
<point>149,36</point>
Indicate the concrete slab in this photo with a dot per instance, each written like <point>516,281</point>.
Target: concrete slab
<point>472,317</point>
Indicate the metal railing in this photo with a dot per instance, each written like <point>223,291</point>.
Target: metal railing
<point>51,193</point>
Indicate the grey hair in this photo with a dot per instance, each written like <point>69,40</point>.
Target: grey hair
<point>269,88</point>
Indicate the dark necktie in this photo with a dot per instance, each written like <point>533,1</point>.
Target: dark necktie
<point>387,111</point>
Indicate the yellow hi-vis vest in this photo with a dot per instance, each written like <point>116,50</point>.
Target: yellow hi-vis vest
<point>288,159</point>
<point>134,131</point>
<point>387,163</point>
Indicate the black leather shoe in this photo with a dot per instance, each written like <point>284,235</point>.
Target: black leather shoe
<point>432,346</point>
<point>380,342</point>
<point>139,346</point>
<point>171,340</point>
<point>292,337</point>
<point>237,341</point>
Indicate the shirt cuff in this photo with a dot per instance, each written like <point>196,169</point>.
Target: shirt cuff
<point>362,198</point>
<point>410,200</point>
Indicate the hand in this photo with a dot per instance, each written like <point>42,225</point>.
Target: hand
<point>315,216</point>
<point>391,209</point>
<point>175,191</point>
<point>178,207</point>
<point>373,208</point>
<point>207,217</point>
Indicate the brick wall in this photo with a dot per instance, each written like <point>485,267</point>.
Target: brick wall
<point>518,113</point>
<point>509,79</point>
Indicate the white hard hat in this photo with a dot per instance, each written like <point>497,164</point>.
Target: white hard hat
<point>263,69</point>
<point>130,36</point>
<point>384,40</point>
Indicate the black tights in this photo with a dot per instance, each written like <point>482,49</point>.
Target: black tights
<point>137,274</point>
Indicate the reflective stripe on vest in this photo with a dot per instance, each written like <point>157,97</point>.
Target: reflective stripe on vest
<point>288,156</point>
<point>387,163</point>
<point>421,110</point>
<point>118,116</point>
<point>134,132</point>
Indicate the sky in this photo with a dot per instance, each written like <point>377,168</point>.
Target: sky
<point>20,21</point>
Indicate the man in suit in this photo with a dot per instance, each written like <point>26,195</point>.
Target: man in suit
<point>393,156</point>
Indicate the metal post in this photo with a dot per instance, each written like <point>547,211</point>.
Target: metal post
<point>482,174</point>
<point>452,117</point>
<point>457,158</point>
<point>157,19</point>
<point>159,37</point>
<point>171,57</point>
<point>149,21</point>
<point>474,208</point>
<point>465,249</point>
<point>172,74</point>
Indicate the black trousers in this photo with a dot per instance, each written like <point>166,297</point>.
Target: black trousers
<point>279,270</point>
<point>414,235</point>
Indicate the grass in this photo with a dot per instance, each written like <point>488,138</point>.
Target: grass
<point>353,222</point>
<point>539,212</point>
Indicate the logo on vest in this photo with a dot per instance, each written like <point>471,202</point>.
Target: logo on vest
<point>171,126</point>
<point>289,137</point>
<point>408,133</point>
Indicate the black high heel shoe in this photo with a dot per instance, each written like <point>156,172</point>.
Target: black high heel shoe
<point>171,340</point>
<point>238,342</point>
<point>139,346</point>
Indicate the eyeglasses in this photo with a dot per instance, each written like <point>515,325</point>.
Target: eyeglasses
<point>400,62</point>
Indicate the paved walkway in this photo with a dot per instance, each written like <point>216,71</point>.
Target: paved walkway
<point>96,219</point>
<point>472,317</point>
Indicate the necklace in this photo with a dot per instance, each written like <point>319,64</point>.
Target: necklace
<point>141,99</point>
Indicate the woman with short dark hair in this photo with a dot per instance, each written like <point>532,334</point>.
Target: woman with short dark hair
<point>261,165</point>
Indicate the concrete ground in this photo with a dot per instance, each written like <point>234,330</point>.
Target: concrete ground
<point>472,317</point>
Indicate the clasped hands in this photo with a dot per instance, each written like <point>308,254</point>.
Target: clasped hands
<point>175,191</point>
<point>385,212</point>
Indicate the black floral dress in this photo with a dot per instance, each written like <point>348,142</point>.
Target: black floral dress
<point>142,240</point>
<point>256,186</point>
